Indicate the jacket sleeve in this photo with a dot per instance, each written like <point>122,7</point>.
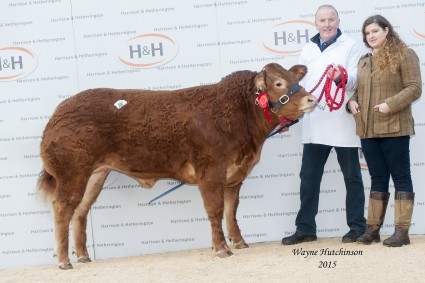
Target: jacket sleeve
<point>412,82</point>
<point>356,52</point>
<point>355,95</point>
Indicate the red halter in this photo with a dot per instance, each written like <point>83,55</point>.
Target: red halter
<point>263,101</point>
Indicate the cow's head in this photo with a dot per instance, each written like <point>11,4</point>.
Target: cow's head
<point>287,99</point>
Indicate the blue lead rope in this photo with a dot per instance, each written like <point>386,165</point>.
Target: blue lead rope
<point>286,126</point>
<point>182,183</point>
<point>169,191</point>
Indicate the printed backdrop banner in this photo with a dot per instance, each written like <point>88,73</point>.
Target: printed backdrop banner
<point>53,49</point>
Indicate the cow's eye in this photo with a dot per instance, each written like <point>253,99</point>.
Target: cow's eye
<point>278,84</point>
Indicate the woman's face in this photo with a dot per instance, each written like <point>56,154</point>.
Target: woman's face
<point>375,35</point>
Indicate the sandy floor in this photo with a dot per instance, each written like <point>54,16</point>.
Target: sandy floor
<point>262,262</point>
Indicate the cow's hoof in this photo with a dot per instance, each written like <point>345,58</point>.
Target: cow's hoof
<point>65,266</point>
<point>224,253</point>
<point>84,259</point>
<point>240,245</point>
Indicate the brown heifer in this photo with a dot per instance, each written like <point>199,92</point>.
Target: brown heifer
<point>207,135</point>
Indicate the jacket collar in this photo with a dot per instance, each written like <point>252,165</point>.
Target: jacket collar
<point>316,39</point>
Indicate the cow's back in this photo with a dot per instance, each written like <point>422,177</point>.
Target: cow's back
<point>126,128</point>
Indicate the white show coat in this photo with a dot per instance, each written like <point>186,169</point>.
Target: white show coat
<point>336,128</point>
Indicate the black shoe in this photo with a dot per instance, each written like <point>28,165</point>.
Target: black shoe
<point>298,238</point>
<point>351,236</point>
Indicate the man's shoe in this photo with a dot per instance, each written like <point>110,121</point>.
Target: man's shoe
<point>351,236</point>
<point>298,238</point>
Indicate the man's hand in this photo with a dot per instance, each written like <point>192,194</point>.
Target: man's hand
<point>281,128</point>
<point>337,75</point>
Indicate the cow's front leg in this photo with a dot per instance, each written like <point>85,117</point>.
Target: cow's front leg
<point>213,197</point>
<point>231,202</point>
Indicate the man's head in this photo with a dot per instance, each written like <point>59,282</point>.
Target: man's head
<point>327,22</point>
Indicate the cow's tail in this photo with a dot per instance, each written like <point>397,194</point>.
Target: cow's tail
<point>46,184</point>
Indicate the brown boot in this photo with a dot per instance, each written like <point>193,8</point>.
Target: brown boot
<point>403,210</point>
<point>378,202</point>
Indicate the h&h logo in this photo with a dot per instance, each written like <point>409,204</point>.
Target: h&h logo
<point>16,63</point>
<point>288,38</point>
<point>418,26</point>
<point>147,51</point>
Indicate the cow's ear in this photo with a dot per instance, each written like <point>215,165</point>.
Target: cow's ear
<point>298,71</point>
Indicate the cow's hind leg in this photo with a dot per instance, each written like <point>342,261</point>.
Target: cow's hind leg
<point>79,220</point>
<point>213,197</point>
<point>63,210</point>
<point>231,201</point>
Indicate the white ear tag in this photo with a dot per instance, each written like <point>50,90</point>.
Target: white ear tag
<point>120,103</point>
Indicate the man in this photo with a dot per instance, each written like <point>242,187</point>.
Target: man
<point>323,130</point>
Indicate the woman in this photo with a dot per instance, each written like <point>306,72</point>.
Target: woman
<point>388,82</point>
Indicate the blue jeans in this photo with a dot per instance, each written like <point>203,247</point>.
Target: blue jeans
<point>387,157</point>
<point>313,163</point>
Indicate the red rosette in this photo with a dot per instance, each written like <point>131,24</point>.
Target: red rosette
<point>263,102</point>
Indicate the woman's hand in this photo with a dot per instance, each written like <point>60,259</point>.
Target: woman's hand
<point>383,108</point>
<point>354,107</point>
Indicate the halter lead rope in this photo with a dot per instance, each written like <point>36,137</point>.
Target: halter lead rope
<point>330,100</point>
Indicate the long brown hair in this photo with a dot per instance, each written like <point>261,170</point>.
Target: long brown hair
<point>389,54</point>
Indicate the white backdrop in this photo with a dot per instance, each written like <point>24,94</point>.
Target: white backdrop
<point>52,49</point>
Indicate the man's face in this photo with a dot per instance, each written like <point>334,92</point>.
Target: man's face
<point>327,23</point>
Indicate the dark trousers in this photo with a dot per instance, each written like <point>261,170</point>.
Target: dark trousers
<point>313,163</point>
<point>387,157</point>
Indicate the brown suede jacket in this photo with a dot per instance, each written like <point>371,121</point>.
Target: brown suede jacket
<point>399,90</point>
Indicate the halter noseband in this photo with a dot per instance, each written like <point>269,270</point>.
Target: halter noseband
<point>275,106</point>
